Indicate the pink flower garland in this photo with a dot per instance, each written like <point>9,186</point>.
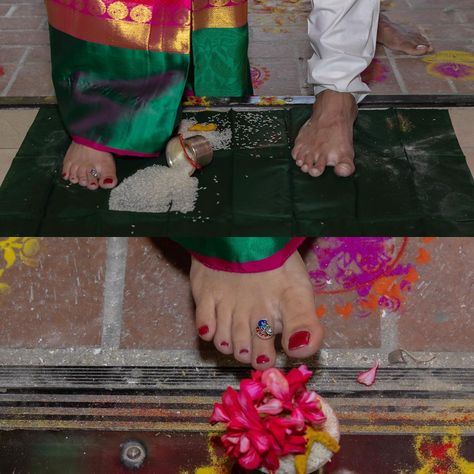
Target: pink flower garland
<point>268,418</point>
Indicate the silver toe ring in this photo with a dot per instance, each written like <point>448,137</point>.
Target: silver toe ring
<point>94,173</point>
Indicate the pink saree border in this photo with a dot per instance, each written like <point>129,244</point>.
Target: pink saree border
<point>108,149</point>
<point>264,265</point>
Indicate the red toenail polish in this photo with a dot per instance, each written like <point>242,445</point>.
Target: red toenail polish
<point>224,344</point>
<point>64,175</point>
<point>243,351</point>
<point>203,330</point>
<point>299,339</point>
<point>262,359</point>
<point>108,181</point>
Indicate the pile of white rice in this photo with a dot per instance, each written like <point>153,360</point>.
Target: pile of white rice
<point>156,189</point>
<point>162,189</point>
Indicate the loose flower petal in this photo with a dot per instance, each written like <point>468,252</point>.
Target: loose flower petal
<point>368,377</point>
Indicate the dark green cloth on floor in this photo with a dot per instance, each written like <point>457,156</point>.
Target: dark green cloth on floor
<point>411,179</point>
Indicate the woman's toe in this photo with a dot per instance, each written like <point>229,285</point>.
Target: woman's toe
<point>108,176</point>
<point>206,319</point>
<point>223,334</point>
<point>263,350</point>
<point>302,331</point>
<point>73,174</point>
<point>82,176</point>
<point>241,338</point>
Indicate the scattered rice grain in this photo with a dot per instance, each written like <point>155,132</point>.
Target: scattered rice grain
<point>220,139</point>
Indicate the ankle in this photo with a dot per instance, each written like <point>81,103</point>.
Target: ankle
<point>335,104</point>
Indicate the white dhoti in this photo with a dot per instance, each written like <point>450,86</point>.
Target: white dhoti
<point>343,35</point>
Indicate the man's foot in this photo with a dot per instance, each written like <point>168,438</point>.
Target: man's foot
<point>326,138</point>
<point>80,160</point>
<point>398,38</point>
<point>229,306</point>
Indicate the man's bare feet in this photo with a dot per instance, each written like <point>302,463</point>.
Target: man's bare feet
<point>326,138</point>
<point>80,160</point>
<point>398,38</point>
<point>229,306</point>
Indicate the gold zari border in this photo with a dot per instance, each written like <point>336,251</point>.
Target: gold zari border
<point>233,16</point>
<point>121,34</point>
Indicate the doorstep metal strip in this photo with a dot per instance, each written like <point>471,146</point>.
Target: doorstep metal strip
<point>201,379</point>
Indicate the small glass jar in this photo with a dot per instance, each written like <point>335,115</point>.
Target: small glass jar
<point>193,152</point>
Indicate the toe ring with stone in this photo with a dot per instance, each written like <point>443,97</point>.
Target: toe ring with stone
<point>94,173</point>
<point>264,330</point>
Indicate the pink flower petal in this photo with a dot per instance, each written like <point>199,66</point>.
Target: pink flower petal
<point>271,461</point>
<point>256,375</point>
<point>251,460</point>
<point>315,417</point>
<point>304,371</point>
<point>272,407</point>
<point>219,415</point>
<point>259,440</point>
<point>254,389</point>
<point>308,397</point>
<point>275,381</point>
<point>368,377</point>
<point>297,419</point>
<point>244,444</point>
<point>297,379</point>
<point>231,439</point>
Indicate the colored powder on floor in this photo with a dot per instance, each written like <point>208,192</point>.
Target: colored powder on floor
<point>156,189</point>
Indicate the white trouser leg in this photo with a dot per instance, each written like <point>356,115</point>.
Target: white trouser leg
<point>343,35</point>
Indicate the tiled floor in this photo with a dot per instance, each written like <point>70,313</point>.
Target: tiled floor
<point>133,294</point>
<point>14,125</point>
<point>278,50</point>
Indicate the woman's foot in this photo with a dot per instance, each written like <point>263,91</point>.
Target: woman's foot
<point>79,163</point>
<point>398,38</point>
<point>326,138</point>
<point>229,306</point>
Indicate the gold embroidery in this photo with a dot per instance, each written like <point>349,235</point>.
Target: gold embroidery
<point>122,34</point>
<point>233,16</point>
<point>141,14</point>
<point>118,10</point>
<point>218,3</point>
<point>97,7</point>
